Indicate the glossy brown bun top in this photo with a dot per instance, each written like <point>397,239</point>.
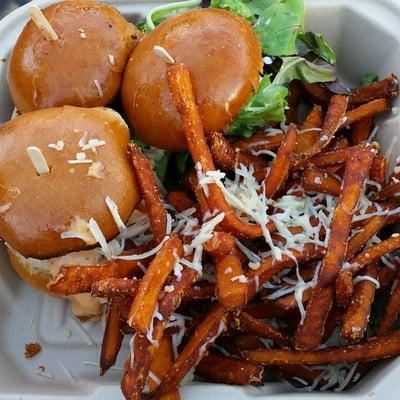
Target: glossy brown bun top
<point>44,73</point>
<point>223,55</point>
<point>36,209</point>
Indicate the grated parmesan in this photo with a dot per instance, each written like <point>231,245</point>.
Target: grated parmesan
<point>164,54</point>
<point>59,146</point>
<point>37,159</point>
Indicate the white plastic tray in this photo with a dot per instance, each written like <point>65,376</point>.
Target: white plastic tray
<point>366,36</point>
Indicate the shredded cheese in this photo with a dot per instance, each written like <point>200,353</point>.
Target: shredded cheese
<point>360,278</point>
<point>37,159</point>
<point>96,170</point>
<point>41,22</point>
<point>115,214</point>
<point>164,54</point>
<point>57,146</point>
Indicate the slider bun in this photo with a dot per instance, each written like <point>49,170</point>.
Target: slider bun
<point>38,273</point>
<point>36,209</point>
<point>44,73</point>
<point>223,55</point>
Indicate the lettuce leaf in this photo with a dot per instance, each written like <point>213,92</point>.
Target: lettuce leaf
<point>267,104</point>
<point>276,22</point>
<point>159,158</point>
<point>236,6</point>
<point>368,78</point>
<point>306,71</point>
<point>317,44</point>
<point>278,25</point>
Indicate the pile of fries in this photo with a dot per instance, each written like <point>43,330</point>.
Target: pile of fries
<point>204,297</point>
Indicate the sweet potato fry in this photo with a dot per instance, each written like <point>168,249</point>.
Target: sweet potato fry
<point>314,179</point>
<point>246,323</point>
<point>193,182</point>
<point>386,88</point>
<point>171,300</point>
<point>373,349</point>
<point>229,370</point>
<point>182,95</point>
<point>259,142</point>
<point>144,303</point>
<point>299,371</point>
<point>136,374</point>
<point>181,201</point>
<point>148,186</point>
<point>137,367</point>
<point>319,93</point>
<point>367,110</point>
<point>115,287</point>
<point>200,291</point>
<point>160,364</point>
<point>310,333</point>
<point>374,253</point>
<point>333,118</point>
<point>334,318</point>
<point>279,170</point>
<point>389,192</point>
<point>364,234</point>
<point>225,156</point>
<point>246,341</point>
<point>356,317</point>
<point>295,94</point>
<point>75,279</point>
<point>361,130</point>
<point>112,340</point>
<point>222,244</point>
<point>209,329</point>
<point>264,310</point>
<point>343,288</point>
<point>270,266</point>
<point>309,131</point>
<point>289,301</point>
<point>121,306</point>
<point>344,281</point>
<point>231,282</point>
<point>378,170</point>
<point>335,158</point>
<point>391,313</point>
<point>386,277</point>
<point>313,120</point>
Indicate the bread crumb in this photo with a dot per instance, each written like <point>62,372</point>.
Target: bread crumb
<point>31,349</point>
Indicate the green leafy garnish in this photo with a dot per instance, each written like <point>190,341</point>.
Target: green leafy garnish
<point>317,44</point>
<point>236,6</point>
<point>276,22</point>
<point>368,78</point>
<point>278,25</point>
<point>267,104</point>
<point>181,160</point>
<point>159,158</point>
<point>308,72</point>
<point>161,164</point>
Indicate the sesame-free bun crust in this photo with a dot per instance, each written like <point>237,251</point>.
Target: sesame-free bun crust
<point>44,73</point>
<point>36,209</point>
<point>37,274</point>
<point>224,58</point>
<point>37,278</point>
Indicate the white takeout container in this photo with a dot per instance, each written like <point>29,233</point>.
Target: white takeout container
<point>366,37</point>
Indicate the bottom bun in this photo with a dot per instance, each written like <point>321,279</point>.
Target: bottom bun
<point>37,273</point>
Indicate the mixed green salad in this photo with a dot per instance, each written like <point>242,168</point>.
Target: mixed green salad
<point>290,52</point>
